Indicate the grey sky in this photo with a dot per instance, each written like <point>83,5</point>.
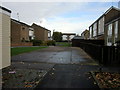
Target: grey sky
<point>61,16</point>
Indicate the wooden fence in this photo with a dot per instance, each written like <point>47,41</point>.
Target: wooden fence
<point>106,55</point>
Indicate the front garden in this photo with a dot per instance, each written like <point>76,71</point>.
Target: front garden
<point>19,50</point>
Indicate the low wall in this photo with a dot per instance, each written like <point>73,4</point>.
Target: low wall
<point>22,44</point>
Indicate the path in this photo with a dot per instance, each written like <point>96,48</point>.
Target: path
<point>68,67</point>
<point>55,55</point>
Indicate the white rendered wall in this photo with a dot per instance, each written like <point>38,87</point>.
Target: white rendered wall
<point>5,59</point>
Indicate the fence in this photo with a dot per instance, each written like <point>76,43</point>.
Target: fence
<point>75,42</point>
<point>106,55</point>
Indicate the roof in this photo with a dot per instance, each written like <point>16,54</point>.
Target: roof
<point>21,22</point>
<point>85,31</point>
<point>3,8</point>
<point>40,27</point>
<point>105,14</point>
<point>111,9</point>
<point>68,33</point>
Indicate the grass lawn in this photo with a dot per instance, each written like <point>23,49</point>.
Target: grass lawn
<point>63,44</point>
<point>19,50</point>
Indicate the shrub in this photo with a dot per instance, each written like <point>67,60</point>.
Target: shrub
<point>43,44</point>
<point>27,41</point>
<point>50,42</point>
<point>36,42</point>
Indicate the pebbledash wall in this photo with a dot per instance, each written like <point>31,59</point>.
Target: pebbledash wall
<point>4,37</point>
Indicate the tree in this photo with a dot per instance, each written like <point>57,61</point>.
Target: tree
<point>57,36</point>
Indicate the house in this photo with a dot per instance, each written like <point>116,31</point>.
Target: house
<point>85,34</point>
<point>20,33</point>
<point>68,36</point>
<point>5,57</point>
<point>106,26</point>
<point>41,33</point>
<point>112,26</point>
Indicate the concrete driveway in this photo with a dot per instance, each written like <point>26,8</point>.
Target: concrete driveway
<point>55,55</point>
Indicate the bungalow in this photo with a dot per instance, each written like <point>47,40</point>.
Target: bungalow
<point>5,58</point>
<point>20,32</point>
<point>41,33</point>
<point>106,27</point>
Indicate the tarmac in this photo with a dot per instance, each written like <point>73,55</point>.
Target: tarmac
<point>69,76</point>
<point>66,67</point>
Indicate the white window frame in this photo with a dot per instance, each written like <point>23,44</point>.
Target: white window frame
<point>95,30</point>
<point>91,32</point>
<point>109,37</point>
<point>101,26</point>
<point>115,32</point>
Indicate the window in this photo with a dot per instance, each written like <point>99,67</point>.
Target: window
<point>91,32</point>
<point>95,29</point>
<point>109,38</point>
<point>101,26</point>
<point>23,40</point>
<point>109,43</point>
<point>116,31</point>
<point>110,30</point>
<point>23,28</point>
<point>49,34</point>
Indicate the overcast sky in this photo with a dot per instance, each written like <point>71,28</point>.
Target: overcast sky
<point>66,17</point>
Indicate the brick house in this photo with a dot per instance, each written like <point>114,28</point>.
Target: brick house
<point>99,29</point>
<point>19,33</point>
<point>41,33</point>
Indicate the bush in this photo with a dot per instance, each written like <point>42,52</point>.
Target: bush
<point>27,41</point>
<point>51,42</point>
<point>43,44</point>
<point>36,42</point>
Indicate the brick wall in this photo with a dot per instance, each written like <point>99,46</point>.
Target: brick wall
<point>40,33</point>
<point>15,32</point>
<point>25,33</point>
<point>22,44</point>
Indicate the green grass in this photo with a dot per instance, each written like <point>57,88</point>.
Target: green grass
<point>63,44</point>
<point>19,50</point>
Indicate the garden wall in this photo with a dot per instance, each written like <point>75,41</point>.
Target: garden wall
<point>22,44</point>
